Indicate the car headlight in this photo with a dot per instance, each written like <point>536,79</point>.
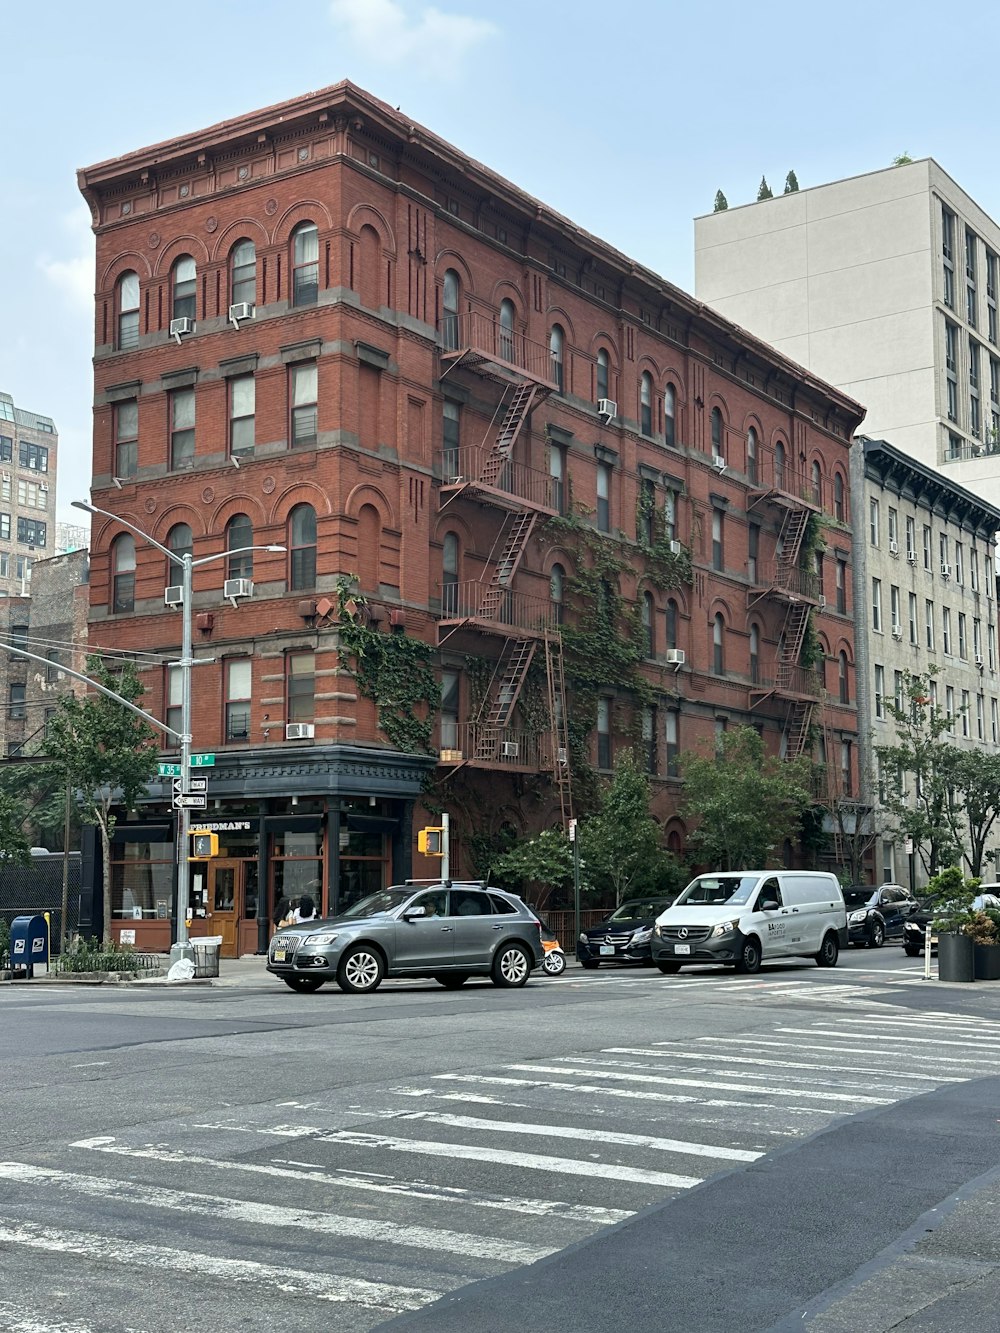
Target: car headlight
<point>643,936</point>
<point>584,939</point>
<point>324,937</point>
<point>723,928</point>
<point>856,917</point>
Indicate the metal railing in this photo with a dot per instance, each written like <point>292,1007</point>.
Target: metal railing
<point>497,747</point>
<point>786,578</point>
<point>483,336</point>
<point>478,467</point>
<point>503,607</point>
<point>788,481</point>
<point>801,682</point>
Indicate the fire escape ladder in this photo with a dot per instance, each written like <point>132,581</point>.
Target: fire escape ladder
<point>790,545</point>
<point>556,681</point>
<point>792,635</point>
<point>833,794</point>
<point>514,416</point>
<point>517,530</point>
<point>501,698</point>
<point>798,728</point>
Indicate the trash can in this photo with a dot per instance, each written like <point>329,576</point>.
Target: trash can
<point>956,957</point>
<point>29,944</point>
<point>206,955</point>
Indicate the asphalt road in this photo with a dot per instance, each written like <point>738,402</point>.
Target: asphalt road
<point>694,1153</point>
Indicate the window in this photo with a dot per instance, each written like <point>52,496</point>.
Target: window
<point>507,330</point>
<point>243,274</point>
<point>718,554</point>
<point>717,451</point>
<point>450,292</point>
<point>126,428</point>
<point>843,678</point>
<point>721,727</point>
<point>989,581</point>
<point>991,295</point>
<point>911,540</point>
<point>965,713</point>
<point>975,418</point>
<point>51,666</point>
<point>300,669</point>
<point>557,479</point>
<point>879,691</point>
<point>951,368</point>
<point>755,654</point>
<point>846,785</point>
<point>971,302</point>
<point>897,690</point>
<point>603,732</point>
<point>123,574</point>
<point>649,623</point>
<point>185,289</point>
<point>946,630</point>
<point>646,403</point>
<point>34,456</point>
<point>928,560</point>
<point>450,683</point>
<point>604,497</point>
<point>876,605</point>
<point>991,638</point>
<point>994,721</point>
<point>963,647</point>
<point>449,575</point>
<point>893,529</point>
<point>5,527</point>
<point>779,466</point>
<point>180,542</point>
<point>914,636</point>
<point>182,428</point>
<point>873,522</point>
<point>239,536</point>
<point>173,695</point>
<point>929,625</point>
<point>238,695</point>
<point>670,515</point>
<point>670,414</point>
<point>819,572</point>
<point>974,568</point>
<point>943,549</point>
<point>451,434</point>
<point>557,585</point>
<point>603,375</point>
<point>557,341</point>
<point>840,588</point>
<point>752,455</point>
<point>649,738</point>
<point>753,551</point>
<point>673,742</point>
<point>32,531</point>
<point>949,705</point>
<point>17,711</point>
<point>6,446</point>
<point>32,495</point>
<point>242,412</point>
<point>22,566</point>
<point>305,264</point>
<point>839,507</point>
<point>980,717</point>
<point>959,570</point>
<point>948,255</point>
<point>718,645</point>
<point>127,301</point>
<point>304,396</point>
<point>302,548</point>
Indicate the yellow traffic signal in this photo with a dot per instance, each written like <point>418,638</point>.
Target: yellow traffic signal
<point>204,845</point>
<point>429,842</point>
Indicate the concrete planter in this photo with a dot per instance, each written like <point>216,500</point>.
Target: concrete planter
<point>987,962</point>
<point>956,957</point>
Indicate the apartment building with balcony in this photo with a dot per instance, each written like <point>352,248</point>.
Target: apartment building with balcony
<point>29,448</point>
<point>471,425</point>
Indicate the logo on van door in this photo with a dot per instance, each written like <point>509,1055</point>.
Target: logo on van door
<point>776,929</point>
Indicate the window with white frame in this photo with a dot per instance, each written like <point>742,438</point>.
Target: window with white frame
<point>914,635</point>
<point>949,706</point>
<point>879,691</point>
<point>929,625</point>
<point>911,539</point>
<point>965,713</point>
<point>946,629</point>
<point>242,415</point>
<point>873,522</point>
<point>877,605</point>
<point>239,672</point>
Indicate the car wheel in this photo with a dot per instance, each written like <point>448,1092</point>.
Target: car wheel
<point>668,968</point>
<point>555,964</point>
<point>876,935</point>
<point>511,966</point>
<point>829,951</point>
<point>305,984</point>
<point>911,950</point>
<point>591,964</point>
<point>451,980</point>
<point>750,958</point>
<point>361,970</point>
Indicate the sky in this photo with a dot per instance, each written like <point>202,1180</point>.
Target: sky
<point>624,115</point>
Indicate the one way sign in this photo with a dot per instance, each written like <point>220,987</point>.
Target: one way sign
<point>181,786</point>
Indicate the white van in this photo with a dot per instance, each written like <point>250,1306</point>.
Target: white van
<point>746,917</point>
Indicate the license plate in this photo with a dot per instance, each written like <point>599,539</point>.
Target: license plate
<point>607,949</point>
<point>279,955</point>
<point>682,948</point>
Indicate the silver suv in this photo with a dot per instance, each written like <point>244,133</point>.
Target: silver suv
<point>449,931</point>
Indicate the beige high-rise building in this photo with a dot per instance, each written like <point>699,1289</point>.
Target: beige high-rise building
<point>886,286</point>
<point>28,453</point>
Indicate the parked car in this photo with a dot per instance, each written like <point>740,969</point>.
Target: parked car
<point>448,931</point>
<point>622,937</point>
<point>876,913</point>
<point>915,927</point>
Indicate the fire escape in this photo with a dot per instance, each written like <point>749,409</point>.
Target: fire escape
<point>521,626</point>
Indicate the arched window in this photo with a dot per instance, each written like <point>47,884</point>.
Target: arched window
<point>127,299</point>
<point>718,645</point>
<point>180,541</point>
<point>646,403</point>
<point>752,454</point>
<point>239,535</point>
<point>302,548</point>
<point>305,264</point>
<point>557,583</point>
<point>243,274</point>
<point>185,289</point>
<point>843,679</point>
<point>670,414</point>
<point>449,576</point>
<point>821,670</point>
<point>123,574</point>
<point>557,343</point>
<point>672,617</point>
<point>717,434</point>
<point>779,465</point>
<point>839,508</point>
<point>649,623</point>
<point>817,482</point>
<point>451,288</point>
<point>755,654</point>
<point>507,330</point>
<point>603,375</point>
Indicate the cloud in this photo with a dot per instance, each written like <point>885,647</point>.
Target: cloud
<point>74,275</point>
<point>435,42</point>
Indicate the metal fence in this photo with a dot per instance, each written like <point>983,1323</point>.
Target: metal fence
<point>32,889</point>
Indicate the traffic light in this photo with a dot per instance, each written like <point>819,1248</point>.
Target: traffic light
<point>204,845</point>
<point>429,842</point>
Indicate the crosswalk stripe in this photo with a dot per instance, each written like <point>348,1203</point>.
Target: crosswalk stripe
<point>920,1041</point>
<point>970,1025</point>
<point>274,1215</point>
<point>450,1194</point>
<point>780,1064</point>
<point>286,1281</point>
<point>878,1052</point>
<point>15,1319</point>
<point>681,1146</point>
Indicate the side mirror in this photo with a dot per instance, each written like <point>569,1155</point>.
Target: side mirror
<point>767,905</point>
<point>412,913</point>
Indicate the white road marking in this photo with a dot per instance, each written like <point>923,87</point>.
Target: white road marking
<point>876,1036</point>
<point>288,1281</point>
<point>273,1215</point>
<point>14,1319</point>
<point>705,1083</point>
<point>877,1054</point>
<point>372,1181</point>
<point>970,1025</point>
<point>780,1064</point>
<point>588,1135</point>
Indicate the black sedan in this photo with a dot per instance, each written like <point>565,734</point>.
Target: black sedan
<point>877,913</point>
<point>624,936</point>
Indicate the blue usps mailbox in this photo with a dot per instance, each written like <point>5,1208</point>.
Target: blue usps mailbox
<point>29,943</point>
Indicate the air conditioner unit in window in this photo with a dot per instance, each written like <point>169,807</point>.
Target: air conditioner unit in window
<point>911,557</point>
<point>946,571</point>
<point>174,595</point>
<point>821,603</point>
<point>241,310</point>
<point>979,661</point>
<point>510,749</point>
<point>299,731</point>
<point>233,588</point>
<point>894,548</point>
<point>676,548</point>
<point>607,407</point>
<point>675,657</point>
<point>897,631</point>
<point>180,327</point>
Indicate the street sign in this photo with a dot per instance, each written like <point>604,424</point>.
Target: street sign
<point>169,770</point>
<point>197,784</point>
<point>202,761</point>
<point>183,786</point>
<point>186,801</point>
<point>572,830</point>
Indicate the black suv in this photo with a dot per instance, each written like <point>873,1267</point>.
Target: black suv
<point>876,913</point>
<point>624,936</point>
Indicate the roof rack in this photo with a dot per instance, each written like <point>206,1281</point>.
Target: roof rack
<point>447,883</point>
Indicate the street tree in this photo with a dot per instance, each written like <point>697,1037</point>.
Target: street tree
<point>745,803</point>
<point>859,825</point>
<point>622,844</point>
<point>544,863</point>
<point>105,753</point>
<point>14,846</point>
<point>975,807</point>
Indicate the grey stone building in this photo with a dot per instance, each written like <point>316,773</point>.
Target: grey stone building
<point>29,447</point>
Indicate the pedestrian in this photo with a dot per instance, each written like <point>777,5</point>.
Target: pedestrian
<point>307,908</point>
<point>281,908</point>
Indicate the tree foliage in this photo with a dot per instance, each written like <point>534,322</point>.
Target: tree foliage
<point>541,866</point>
<point>745,803</point>
<point>902,159</point>
<point>765,191</point>
<point>791,183</point>
<point>14,845</point>
<point>105,753</point>
<point>721,202</point>
<point>621,844</point>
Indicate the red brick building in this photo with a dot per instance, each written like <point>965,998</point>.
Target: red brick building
<point>611,515</point>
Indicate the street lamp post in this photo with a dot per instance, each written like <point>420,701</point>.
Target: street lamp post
<point>187,565</point>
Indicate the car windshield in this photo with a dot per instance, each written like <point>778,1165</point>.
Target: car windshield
<point>859,897</point>
<point>643,909</point>
<point>386,900</point>
<point>718,889</point>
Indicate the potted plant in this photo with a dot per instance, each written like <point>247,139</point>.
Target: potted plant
<point>984,931</point>
<point>952,895</point>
